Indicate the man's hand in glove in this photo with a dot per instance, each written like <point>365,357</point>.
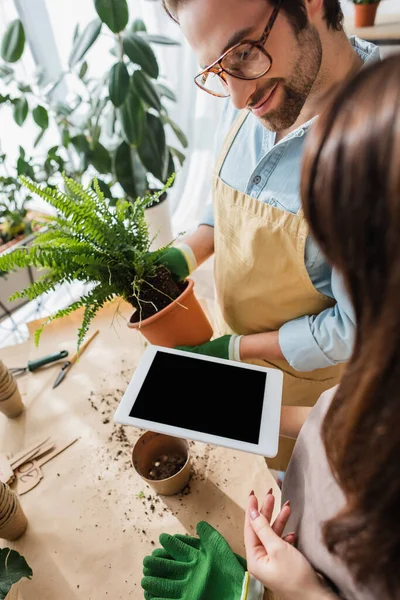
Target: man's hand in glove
<point>179,259</point>
<point>227,346</point>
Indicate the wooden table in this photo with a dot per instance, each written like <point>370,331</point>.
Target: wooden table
<point>92,519</point>
<point>385,32</point>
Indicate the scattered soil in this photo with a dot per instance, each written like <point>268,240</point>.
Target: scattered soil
<point>166,466</point>
<point>156,294</point>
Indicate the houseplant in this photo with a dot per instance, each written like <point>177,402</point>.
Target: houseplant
<point>365,12</point>
<point>108,248</point>
<point>13,567</point>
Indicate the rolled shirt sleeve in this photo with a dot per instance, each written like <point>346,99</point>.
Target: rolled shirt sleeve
<point>318,341</point>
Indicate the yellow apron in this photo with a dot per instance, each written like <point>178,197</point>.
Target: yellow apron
<point>261,282</point>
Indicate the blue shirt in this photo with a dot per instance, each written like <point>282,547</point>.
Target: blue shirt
<point>271,173</point>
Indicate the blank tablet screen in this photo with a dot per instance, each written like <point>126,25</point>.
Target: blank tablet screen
<point>200,395</point>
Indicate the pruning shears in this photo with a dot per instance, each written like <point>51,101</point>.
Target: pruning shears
<point>33,365</point>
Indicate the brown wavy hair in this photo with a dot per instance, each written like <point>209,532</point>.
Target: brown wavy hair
<point>351,198</point>
<point>295,10</point>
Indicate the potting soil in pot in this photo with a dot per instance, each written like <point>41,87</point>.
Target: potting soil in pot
<point>165,466</point>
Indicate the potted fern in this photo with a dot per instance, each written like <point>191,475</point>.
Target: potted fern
<point>109,249</point>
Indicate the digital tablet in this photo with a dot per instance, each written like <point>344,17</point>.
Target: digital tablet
<point>206,399</point>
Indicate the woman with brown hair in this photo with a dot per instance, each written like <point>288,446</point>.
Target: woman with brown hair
<point>343,480</point>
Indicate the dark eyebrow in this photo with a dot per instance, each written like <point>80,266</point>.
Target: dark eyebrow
<point>235,39</point>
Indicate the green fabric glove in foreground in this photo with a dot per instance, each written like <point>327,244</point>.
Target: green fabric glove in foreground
<point>175,261</point>
<point>227,346</point>
<point>210,570</point>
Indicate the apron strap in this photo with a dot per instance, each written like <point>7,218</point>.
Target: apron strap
<point>229,139</point>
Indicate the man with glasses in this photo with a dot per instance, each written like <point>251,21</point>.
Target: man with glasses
<point>279,302</point>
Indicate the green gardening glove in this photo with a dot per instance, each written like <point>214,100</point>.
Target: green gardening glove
<point>199,573</point>
<point>227,346</point>
<point>179,260</point>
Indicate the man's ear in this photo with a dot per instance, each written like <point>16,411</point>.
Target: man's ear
<point>314,8</point>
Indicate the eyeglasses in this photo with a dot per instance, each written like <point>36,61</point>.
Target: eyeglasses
<point>247,59</point>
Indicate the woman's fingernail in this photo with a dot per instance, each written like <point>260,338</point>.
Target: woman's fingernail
<point>251,493</point>
<point>291,533</point>
<point>287,503</point>
<point>269,492</point>
<point>254,514</point>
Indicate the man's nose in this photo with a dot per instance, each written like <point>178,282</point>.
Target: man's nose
<point>240,90</point>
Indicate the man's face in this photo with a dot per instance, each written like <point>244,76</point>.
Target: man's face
<point>212,26</point>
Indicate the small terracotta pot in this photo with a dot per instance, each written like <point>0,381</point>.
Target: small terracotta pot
<point>181,323</point>
<point>151,447</point>
<point>13,521</point>
<point>365,14</point>
<point>10,398</point>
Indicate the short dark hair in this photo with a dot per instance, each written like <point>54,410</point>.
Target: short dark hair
<point>295,10</point>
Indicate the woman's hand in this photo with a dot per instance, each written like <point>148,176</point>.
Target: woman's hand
<point>274,561</point>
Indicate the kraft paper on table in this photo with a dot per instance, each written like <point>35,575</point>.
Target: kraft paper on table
<point>89,525</point>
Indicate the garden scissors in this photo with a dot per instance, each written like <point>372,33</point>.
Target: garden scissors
<point>66,366</point>
<point>40,362</point>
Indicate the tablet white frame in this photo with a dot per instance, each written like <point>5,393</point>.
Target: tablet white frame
<point>270,416</point>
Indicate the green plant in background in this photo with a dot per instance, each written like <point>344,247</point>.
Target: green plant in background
<point>90,242</point>
<point>13,567</point>
<point>365,1</point>
<point>115,126</point>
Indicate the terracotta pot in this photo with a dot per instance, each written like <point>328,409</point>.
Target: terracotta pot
<point>181,323</point>
<point>152,447</point>
<point>13,522</point>
<point>364,14</point>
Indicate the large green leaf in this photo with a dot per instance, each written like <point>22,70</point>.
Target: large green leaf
<point>114,13</point>
<point>140,53</point>
<point>13,567</point>
<point>84,41</point>
<point>100,158</point>
<point>20,111</point>
<point>132,118</point>
<point>153,150</point>
<point>81,144</point>
<point>176,129</point>
<point>146,89</point>
<point>13,42</point>
<point>159,39</point>
<point>163,90</point>
<point>177,154</point>
<point>41,116</point>
<point>138,25</point>
<point>118,83</point>
<point>104,187</point>
<point>129,171</point>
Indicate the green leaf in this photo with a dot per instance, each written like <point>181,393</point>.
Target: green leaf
<point>138,25</point>
<point>6,71</point>
<point>83,70</point>
<point>65,137</point>
<point>13,42</point>
<point>20,111</point>
<point>132,117</point>
<point>159,39</point>
<point>177,130</point>
<point>84,41</point>
<point>111,119</point>
<point>146,89</point>
<point>178,154</point>
<point>41,116</point>
<point>119,83</point>
<point>13,567</point>
<point>104,187</point>
<point>129,171</point>
<point>81,144</point>
<point>140,53</point>
<point>100,158</point>
<point>39,137</point>
<point>114,13</point>
<point>153,150</point>
<point>163,90</point>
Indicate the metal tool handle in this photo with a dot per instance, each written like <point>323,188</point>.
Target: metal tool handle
<point>40,362</point>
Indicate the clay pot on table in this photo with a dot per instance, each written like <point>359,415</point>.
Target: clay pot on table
<point>365,14</point>
<point>13,521</point>
<point>162,461</point>
<point>10,398</point>
<point>182,323</point>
